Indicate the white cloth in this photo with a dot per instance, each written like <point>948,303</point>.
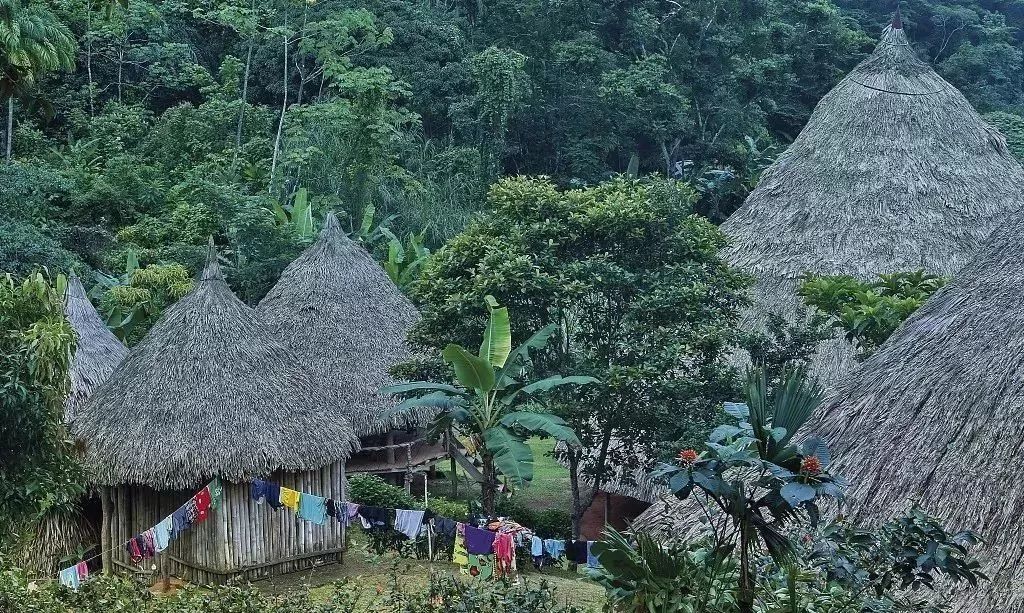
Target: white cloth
<point>408,522</point>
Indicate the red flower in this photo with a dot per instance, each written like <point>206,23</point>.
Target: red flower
<point>688,456</point>
<point>810,465</point>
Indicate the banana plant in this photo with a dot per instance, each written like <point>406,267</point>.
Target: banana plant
<point>489,402</point>
<point>299,215</point>
<point>404,261</point>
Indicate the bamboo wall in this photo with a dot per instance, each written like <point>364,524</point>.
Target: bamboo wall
<point>241,541</point>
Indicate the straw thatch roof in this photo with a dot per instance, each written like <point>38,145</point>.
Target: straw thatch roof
<point>340,312</point>
<point>208,391</point>
<point>98,351</point>
<point>935,415</point>
<point>895,171</point>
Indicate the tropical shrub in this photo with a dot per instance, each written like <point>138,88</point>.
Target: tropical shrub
<point>868,312</point>
<point>492,404</point>
<point>374,491</point>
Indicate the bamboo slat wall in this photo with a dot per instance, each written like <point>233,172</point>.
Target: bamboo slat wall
<point>241,541</point>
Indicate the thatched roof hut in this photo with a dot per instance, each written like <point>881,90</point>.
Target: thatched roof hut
<point>895,171</point>
<point>209,392</point>
<point>935,416</point>
<point>340,312</point>
<point>98,351</point>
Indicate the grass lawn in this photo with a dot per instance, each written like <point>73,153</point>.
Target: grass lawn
<point>548,490</point>
<point>373,573</point>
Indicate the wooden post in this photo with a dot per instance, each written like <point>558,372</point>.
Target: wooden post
<point>408,469</point>
<point>430,540</point>
<point>105,530</point>
<point>391,448</point>
<point>344,501</point>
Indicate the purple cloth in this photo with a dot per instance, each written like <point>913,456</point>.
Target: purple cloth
<point>479,542</point>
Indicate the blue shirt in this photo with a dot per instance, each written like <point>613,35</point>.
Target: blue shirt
<point>313,508</point>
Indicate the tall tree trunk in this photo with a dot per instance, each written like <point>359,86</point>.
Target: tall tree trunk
<point>578,509</point>
<point>10,127</point>
<point>284,107</point>
<point>88,58</point>
<point>245,92</point>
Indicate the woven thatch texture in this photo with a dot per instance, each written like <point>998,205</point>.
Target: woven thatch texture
<point>340,312</point>
<point>894,171</point>
<point>209,391</point>
<point>98,351</point>
<point>935,415</point>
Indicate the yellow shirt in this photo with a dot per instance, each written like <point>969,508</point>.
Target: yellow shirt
<point>290,499</point>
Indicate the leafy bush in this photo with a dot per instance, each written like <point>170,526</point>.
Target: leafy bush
<point>868,312</point>
<point>456,510</point>
<point>375,491</point>
<point>444,594</point>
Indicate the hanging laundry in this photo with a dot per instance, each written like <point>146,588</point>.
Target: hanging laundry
<point>576,551</point>
<point>313,508</point>
<point>481,567</point>
<point>216,493</point>
<point>83,571</point>
<point>478,541</point>
<point>180,521</point>
<point>445,526</point>
<point>352,512</point>
<point>504,555</point>
<point>409,522</point>
<point>69,577</point>
<point>373,517</point>
<point>333,510</point>
<point>537,551</point>
<point>162,534</point>
<point>202,500</point>
<point>554,548</point>
<point>459,554</point>
<point>261,490</point>
<point>290,498</point>
<point>148,543</point>
<point>591,558</point>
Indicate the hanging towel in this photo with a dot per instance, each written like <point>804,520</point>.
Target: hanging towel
<point>162,534</point>
<point>536,546</point>
<point>408,522</point>
<point>290,498</point>
<point>313,508</point>
<point>481,567</point>
<point>83,571</point>
<point>69,577</point>
<point>504,555</point>
<point>554,548</point>
<point>591,558</point>
<point>459,554</point>
<point>479,542</point>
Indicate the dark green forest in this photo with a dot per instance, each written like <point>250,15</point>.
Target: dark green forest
<point>138,128</point>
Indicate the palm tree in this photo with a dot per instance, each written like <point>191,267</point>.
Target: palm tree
<point>32,42</point>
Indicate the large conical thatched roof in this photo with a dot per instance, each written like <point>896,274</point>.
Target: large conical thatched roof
<point>936,413</point>
<point>208,391</point>
<point>338,309</point>
<point>97,353</point>
<point>894,171</point>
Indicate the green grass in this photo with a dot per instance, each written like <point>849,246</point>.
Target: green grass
<point>548,490</point>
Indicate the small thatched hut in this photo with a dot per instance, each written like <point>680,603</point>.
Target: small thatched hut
<point>210,392</point>
<point>340,312</point>
<point>935,416</point>
<point>895,171</point>
<point>98,351</point>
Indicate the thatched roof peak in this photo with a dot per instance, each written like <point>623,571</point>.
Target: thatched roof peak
<point>208,391</point>
<point>338,309</point>
<point>897,19</point>
<point>98,351</point>
<point>894,171</point>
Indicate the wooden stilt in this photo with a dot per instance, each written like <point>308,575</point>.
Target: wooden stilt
<point>105,494</point>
